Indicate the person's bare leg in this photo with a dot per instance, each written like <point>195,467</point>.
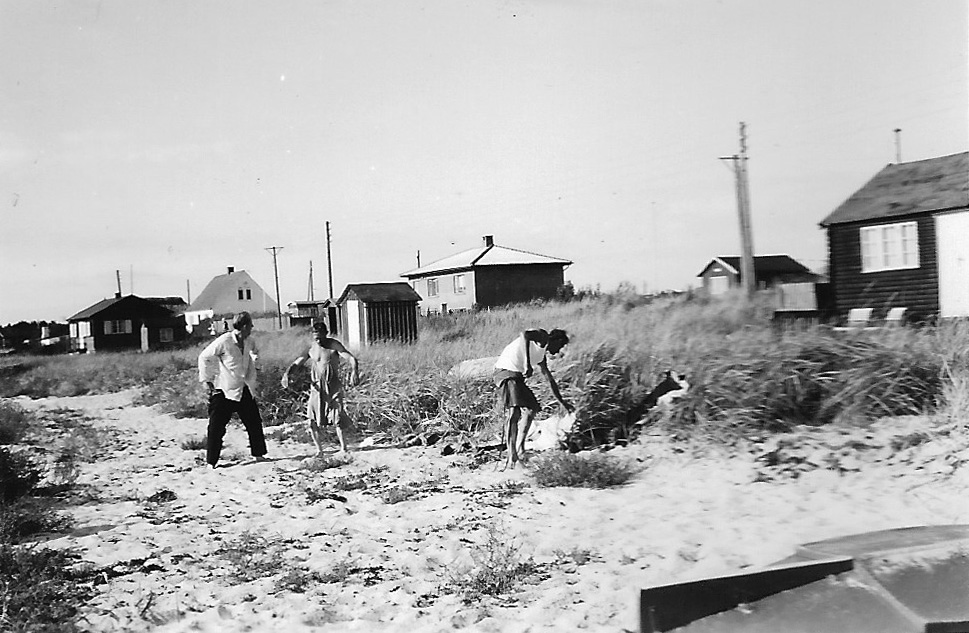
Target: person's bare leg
<point>317,434</point>
<point>337,416</point>
<point>523,432</point>
<point>511,437</point>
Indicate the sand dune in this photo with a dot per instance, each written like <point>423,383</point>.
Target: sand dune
<point>380,558</point>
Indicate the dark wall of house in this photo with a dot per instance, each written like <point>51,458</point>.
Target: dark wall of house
<point>499,285</point>
<point>916,289</point>
<point>392,321</point>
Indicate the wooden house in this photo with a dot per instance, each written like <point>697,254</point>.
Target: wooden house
<point>374,312</point>
<point>723,273</point>
<point>125,323</point>
<point>487,276</point>
<point>306,313</point>
<point>902,241</point>
<point>227,295</point>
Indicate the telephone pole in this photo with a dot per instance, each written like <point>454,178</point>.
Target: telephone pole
<point>329,261</point>
<point>279,309</point>
<point>743,211</point>
<point>309,291</point>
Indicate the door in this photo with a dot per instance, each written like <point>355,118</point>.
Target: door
<point>354,340</point>
<point>952,231</point>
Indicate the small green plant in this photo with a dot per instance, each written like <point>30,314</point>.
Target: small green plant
<point>252,556</point>
<point>593,470</point>
<point>18,475</point>
<point>195,443</point>
<point>497,567</point>
<point>297,580</point>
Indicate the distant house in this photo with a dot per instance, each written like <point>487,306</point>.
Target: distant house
<point>724,273</point>
<point>306,313</point>
<point>378,312</point>
<point>125,323</point>
<point>487,276</point>
<point>228,294</point>
<point>902,241</point>
<point>176,305</point>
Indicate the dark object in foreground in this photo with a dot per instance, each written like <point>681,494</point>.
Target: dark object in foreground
<point>893,581</point>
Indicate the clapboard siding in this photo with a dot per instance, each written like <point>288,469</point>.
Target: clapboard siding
<point>915,289</point>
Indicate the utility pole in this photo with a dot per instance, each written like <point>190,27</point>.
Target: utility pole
<point>309,291</point>
<point>279,309</point>
<point>329,261</point>
<point>188,292</point>
<point>117,275</point>
<point>743,211</point>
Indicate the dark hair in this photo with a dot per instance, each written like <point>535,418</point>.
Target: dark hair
<point>558,335</point>
<point>320,326</point>
<point>242,320</point>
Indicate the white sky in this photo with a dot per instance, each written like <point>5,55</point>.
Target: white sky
<point>169,139</point>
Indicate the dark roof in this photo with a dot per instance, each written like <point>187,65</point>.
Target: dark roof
<point>381,292</point>
<point>167,301</point>
<point>764,265</point>
<point>136,304</point>
<point>923,186</point>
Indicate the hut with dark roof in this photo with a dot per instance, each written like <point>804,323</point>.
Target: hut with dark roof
<point>372,312</point>
<point>901,241</point>
<point>724,273</point>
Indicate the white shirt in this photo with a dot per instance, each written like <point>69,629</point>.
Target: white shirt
<point>513,358</point>
<point>222,362</point>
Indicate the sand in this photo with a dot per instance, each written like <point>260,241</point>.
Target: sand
<point>385,558</point>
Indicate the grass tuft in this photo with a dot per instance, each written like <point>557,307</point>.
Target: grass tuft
<point>592,470</point>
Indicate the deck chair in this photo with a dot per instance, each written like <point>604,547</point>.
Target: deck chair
<point>895,316</point>
<point>859,317</point>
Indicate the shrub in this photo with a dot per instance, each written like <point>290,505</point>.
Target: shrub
<point>43,589</point>
<point>18,475</point>
<point>26,517</point>
<point>593,470</point>
<point>14,421</point>
<point>497,567</point>
<point>195,443</point>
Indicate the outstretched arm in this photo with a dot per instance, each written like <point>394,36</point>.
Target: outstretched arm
<point>539,336</point>
<point>338,347</point>
<point>555,387</point>
<point>302,358</point>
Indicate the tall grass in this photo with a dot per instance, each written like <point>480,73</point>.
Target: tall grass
<point>746,375</point>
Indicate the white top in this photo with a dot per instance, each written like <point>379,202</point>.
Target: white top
<point>227,365</point>
<point>513,356</point>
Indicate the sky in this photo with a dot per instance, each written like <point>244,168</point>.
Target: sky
<point>161,141</point>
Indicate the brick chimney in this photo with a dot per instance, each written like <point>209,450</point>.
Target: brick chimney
<point>231,269</point>
<point>489,240</point>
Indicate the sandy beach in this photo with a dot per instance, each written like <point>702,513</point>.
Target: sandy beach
<point>376,544</point>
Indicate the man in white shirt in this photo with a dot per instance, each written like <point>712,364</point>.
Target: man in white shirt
<point>227,366</point>
<point>513,367</point>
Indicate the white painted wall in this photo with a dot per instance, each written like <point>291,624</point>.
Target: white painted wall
<point>952,234</point>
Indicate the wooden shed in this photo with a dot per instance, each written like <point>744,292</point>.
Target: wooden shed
<point>126,323</point>
<point>900,241</point>
<point>374,312</point>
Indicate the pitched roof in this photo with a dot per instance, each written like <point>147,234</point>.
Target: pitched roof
<point>922,186</point>
<point>381,292</point>
<point>139,304</point>
<point>222,286</point>
<point>493,255</point>
<point>764,265</point>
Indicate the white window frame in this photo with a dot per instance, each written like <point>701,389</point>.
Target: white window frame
<point>460,285</point>
<point>889,247</point>
<point>118,326</point>
<point>432,289</point>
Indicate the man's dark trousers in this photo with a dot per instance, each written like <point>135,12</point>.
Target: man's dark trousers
<point>220,410</point>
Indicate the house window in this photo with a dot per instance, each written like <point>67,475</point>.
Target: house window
<point>889,247</point>
<point>121,326</point>
<point>432,287</point>
<point>459,284</point>
<point>166,335</point>
<point>248,294</point>
<point>240,294</point>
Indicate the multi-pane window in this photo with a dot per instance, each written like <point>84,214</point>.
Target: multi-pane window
<point>122,326</point>
<point>889,247</point>
<point>459,284</point>
<point>432,287</point>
